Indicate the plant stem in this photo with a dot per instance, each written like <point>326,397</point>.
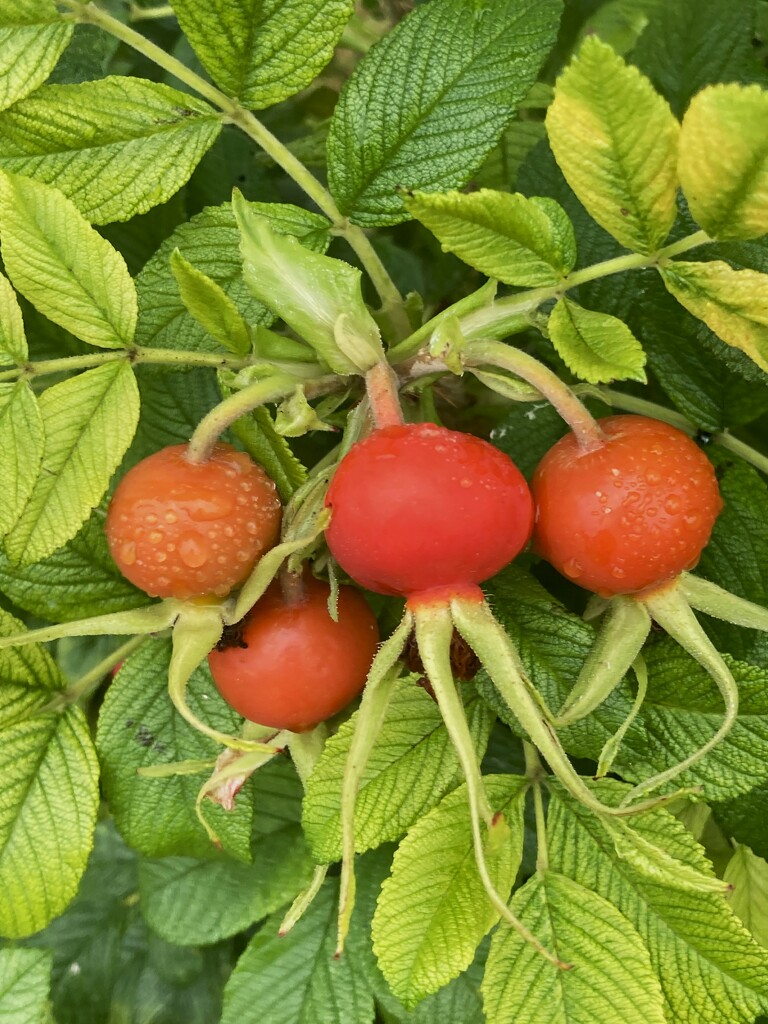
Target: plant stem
<point>392,301</point>
<point>136,13</point>
<point>158,356</point>
<point>92,679</point>
<point>535,772</point>
<point>381,387</point>
<point>575,414</point>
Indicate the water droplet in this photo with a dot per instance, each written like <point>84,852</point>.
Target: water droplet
<point>607,509</point>
<point>691,520</point>
<point>243,556</point>
<point>573,568</point>
<point>466,483</point>
<point>618,572</point>
<point>171,517</point>
<point>163,581</point>
<point>252,527</point>
<point>160,556</point>
<point>672,504</point>
<point>651,512</point>
<point>150,520</point>
<point>228,531</point>
<point>653,478</point>
<point>599,494</point>
<point>128,553</point>
<point>222,559</point>
<point>155,537</point>
<point>193,551</point>
<point>614,472</point>
<point>633,496</point>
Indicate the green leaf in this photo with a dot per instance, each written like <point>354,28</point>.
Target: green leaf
<point>262,442</point>
<point>319,297</point>
<point>13,342</point>
<point>21,430</point>
<point>748,874</point>
<point>265,51</point>
<point>732,303</point>
<point>210,241</point>
<point>108,965</point>
<point>696,944</point>
<point>433,910</point>
<point>32,38</point>
<point>412,766</point>
<point>77,581</point>
<point>430,101</point>
<point>527,242</point>
<point>115,147</point>
<point>139,727</point>
<point>50,792</point>
<point>89,421</point>
<point>692,43</point>
<point>190,901</point>
<point>611,979</point>
<point>622,169</point>
<point>295,979</point>
<point>723,161</point>
<point>210,305</point>
<point>24,983</point>
<point>63,266</point>
<point>595,346</point>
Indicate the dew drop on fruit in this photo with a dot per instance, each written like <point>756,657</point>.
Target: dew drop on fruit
<point>691,520</point>
<point>617,572</point>
<point>193,551</point>
<point>128,553</point>
<point>672,504</point>
<point>573,568</point>
<point>155,537</point>
<point>170,517</point>
<point>652,478</point>
<point>633,496</point>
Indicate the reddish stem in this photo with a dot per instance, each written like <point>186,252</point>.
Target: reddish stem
<point>381,386</point>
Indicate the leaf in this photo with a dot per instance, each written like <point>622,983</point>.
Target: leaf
<point>190,901</point>
<point>611,979</point>
<point>138,727</point>
<point>262,442</point>
<point>732,303</point>
<point>295,979</point>
<point>63,266</point>
<point>319,297</point>
<point>116,147</point>
<point>210,242</point>
<point>723,163</point>
<point>210,305</point>
<point>433,910</point>
<point>21,430</point>
<point>693,43</point>
<point>431,99</point>
<point>78,581</point>
<point>32,38</point>
<point>696,943</point>
<point>50,792</point>
<point>623,169</point>
<point>527,242</point>
<point>13,342</point>
<point>108,964</point>
<point>411,767</point>
<point>24,982</point>
<point>265,51</point>
<point>89,421</point>
<point>503,163</point>
<point>748,874</point>
<point>595,346</point>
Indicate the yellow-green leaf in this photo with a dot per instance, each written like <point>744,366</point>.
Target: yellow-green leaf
<point>521,241</point>
<point>13,341</point>
<point>615,140</point>
<point>732,303</point>
<point>595,346</point>
<point>21,437</point>
<point>89,422</point>
<point>723,161</point>
<point>748,874</point>
<point>63,266</point>
<point>32,38</point>
<point>210,305</point>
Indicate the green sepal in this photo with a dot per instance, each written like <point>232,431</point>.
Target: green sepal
<point>317,296</point>
<point>707,597</point>
<point>152,619</point>
<point>296,417</point>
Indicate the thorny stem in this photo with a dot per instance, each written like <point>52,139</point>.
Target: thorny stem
<point>573,411</point>
<point>535,772</point>
<point>392,301</point>
<point>92,679</point>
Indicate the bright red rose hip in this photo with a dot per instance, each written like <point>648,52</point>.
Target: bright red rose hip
<point>630,515</point>
<point>182,529</point>
<point>296,666</point>
<point>418,508</point>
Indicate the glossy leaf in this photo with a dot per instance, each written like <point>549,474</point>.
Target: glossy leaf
<point>595,346</point>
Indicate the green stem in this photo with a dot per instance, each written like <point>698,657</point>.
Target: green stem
<point>271,389</point>
<point>161,356</point>
<point>136,13</point>
<point>641,406</point>
<point>514,360</point>
<point>87,683</point>
<point>535,772</point>
<point>302,902</point>
<point>391,299</point>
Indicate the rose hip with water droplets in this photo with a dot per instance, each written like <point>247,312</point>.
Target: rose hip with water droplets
<point>182,529</point>
<point>630,515</point>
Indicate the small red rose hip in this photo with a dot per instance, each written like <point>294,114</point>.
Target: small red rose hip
<point>296,666</point>
<point>182,529</point>
<point>630,515</point>
<point>417,508</point>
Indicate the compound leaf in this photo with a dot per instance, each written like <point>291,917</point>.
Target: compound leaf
<point>595,346</point>
<point>32,38</point>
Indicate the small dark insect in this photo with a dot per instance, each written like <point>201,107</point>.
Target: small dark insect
<point>232,636</point>
<point>144,737</point>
